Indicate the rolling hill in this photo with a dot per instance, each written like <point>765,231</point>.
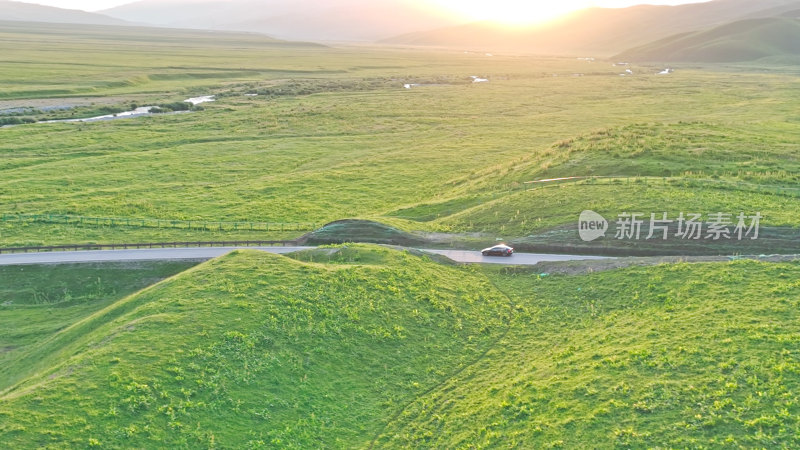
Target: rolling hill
<point>27,12</point>
<point>597,31</point>
<point>747,40</point>
<point>363,346</point>
<point>255,348</point>
<point>350,20</point>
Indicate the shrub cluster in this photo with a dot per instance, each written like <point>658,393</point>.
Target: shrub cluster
<point>175,106</point>
<point>16,120</point>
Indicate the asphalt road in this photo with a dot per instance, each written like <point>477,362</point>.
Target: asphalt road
<point>518,259</point>
<point>164,254</point>
<point>147,254</point>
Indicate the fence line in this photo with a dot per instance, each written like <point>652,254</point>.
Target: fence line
<point>207,225</point>
<point>77,247</point>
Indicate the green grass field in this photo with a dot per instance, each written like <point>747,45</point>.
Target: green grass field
<point>661,357</point>
<point>333,134</point>
<point>365,346</point>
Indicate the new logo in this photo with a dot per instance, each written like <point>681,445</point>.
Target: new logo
<point>592,226</point>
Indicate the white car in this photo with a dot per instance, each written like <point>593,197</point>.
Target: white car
<point>498,250</point>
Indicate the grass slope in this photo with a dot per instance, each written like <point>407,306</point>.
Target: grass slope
<point>62,284</point>
<point>38,302</point>
<point>260,350</point>
<point>746,40</point>
<point>695,166</point>
<point>361,346</point>
<point>662,357</point>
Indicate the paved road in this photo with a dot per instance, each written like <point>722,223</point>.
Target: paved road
<point>213,252</point>
<point>147,254</point>
<point>519,259</point>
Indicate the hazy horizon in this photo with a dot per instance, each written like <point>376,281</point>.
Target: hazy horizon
<point>514,11</point>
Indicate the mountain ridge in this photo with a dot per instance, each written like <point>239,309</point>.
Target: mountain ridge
<point>740,41</point>
<point>27,12</point>
<point>301,19</point>
<point>603,31</point>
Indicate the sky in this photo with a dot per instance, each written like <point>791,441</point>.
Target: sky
<point>527,11</point>
<point>511,11</point>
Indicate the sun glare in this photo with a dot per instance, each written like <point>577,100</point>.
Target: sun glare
<point>513,12</point>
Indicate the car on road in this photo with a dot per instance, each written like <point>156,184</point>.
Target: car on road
<point>498,250</point>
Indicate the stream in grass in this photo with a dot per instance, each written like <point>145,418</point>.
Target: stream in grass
<point>138,112</point>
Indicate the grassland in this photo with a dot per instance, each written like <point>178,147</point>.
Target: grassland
<point>668,356</point>
<point>333,134</point>
<point>79,283</point>
<point>365,346</point>
<point>38,302</point>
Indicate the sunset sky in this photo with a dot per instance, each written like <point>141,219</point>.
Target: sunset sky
<point>521,11</point>
<point>511,11</point>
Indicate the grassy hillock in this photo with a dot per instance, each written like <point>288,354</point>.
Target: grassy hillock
<point>360,346</point>
<point>260,350</point>
<point>685,167</point>
<point>746,40</point>
<point>360,231</point>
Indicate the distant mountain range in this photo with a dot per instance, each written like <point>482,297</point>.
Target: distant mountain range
<point>715,31</point>
<point>599,31</point>
<point>746,40</point>
<point>27,12</point>
<point>325,20</point>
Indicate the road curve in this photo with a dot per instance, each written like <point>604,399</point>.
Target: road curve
<point>518,259</point>
<point>165,254</point>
